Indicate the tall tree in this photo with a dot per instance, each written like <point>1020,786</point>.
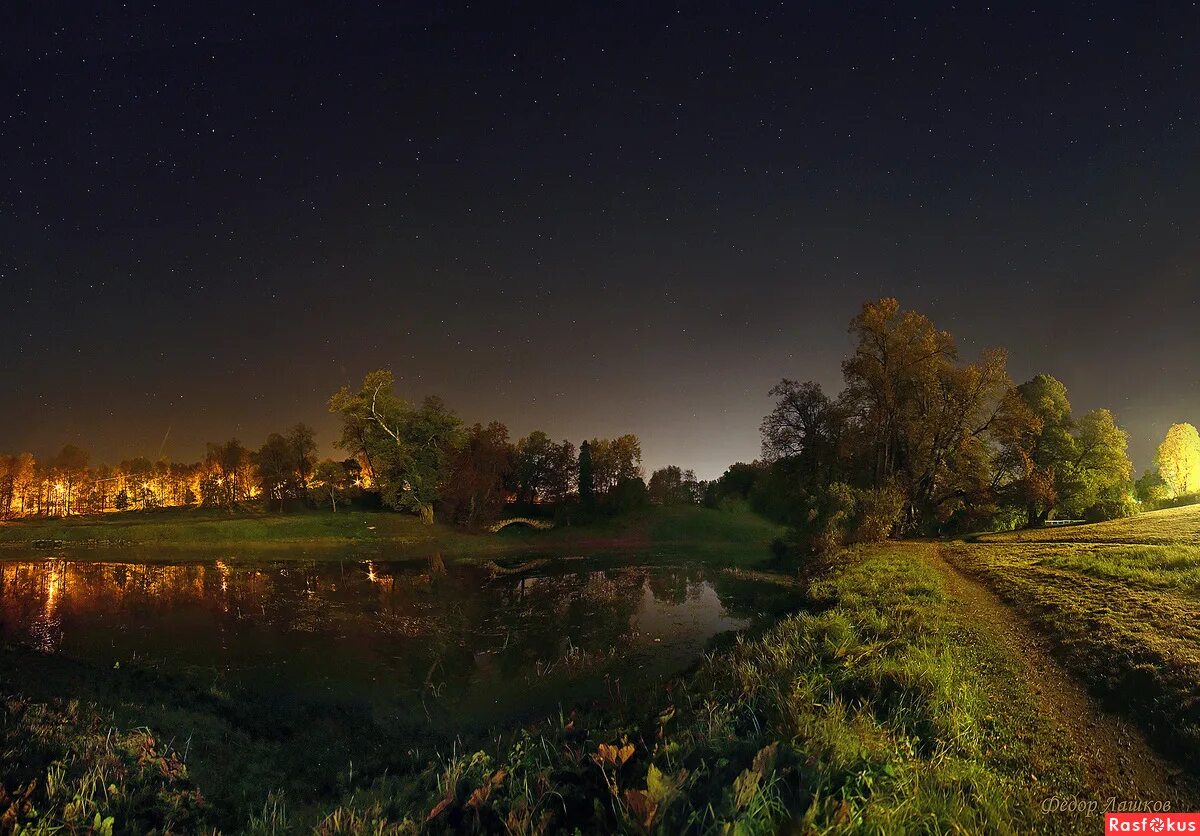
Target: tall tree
<point>587,484</point>
<point>276,463</point>
<point>1178,460</point>
<point>920,415</point>
<point>303,443</point>
<point>532,465</point>
<point>479,472</point>
<point>70,468</point>
<point>1049,461</point>
<point>408,449</point>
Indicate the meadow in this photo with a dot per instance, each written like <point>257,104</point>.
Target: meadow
<point>1120,603</point>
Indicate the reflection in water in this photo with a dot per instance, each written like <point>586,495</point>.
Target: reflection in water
<point>444,639</point>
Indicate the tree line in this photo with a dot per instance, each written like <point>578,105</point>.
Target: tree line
<point>921,442</point>
<point>420,458</point>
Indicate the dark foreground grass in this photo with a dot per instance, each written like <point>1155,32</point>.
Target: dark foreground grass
<point>877,712</point>
<point>1124,619</point>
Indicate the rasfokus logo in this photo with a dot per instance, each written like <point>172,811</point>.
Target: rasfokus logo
<point>1152,822</point>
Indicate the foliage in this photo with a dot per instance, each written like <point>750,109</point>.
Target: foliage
<point>672,485</point>
<point>1178,460</point>
<point>544,471</point>
<point>405,449</point>
<point>66,770</point>
<point>1151,489</point>
<point>587,476</point>
<point>479,473</point>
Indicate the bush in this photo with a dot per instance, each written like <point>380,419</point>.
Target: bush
<point>1110,509</point>
<point>877,513</point>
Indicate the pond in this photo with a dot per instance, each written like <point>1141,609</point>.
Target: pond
<point>443,643</point>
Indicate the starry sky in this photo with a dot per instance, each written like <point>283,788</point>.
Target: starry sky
<point>593,219</point>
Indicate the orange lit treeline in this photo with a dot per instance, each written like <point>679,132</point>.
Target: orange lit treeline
<point>69,484</point>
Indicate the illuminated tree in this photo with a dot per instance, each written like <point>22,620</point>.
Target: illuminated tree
<point>1049,461</point>
<point>70,469</point>
<point>1179,460</point>
<point>407,449</point>
<point>918,417</point>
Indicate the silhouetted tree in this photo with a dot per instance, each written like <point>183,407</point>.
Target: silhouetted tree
<point>587,489</point>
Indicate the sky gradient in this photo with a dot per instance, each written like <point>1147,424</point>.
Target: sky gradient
<point>590,219</point>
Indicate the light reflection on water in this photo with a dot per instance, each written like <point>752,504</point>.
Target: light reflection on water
<point>443,638</point>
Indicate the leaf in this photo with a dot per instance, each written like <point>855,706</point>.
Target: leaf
<point>613,756</point>
<point>764,761</point>
<point>745,786</point>
<point>641,806</point>
<point>662,787</point>
<point>439,809</point>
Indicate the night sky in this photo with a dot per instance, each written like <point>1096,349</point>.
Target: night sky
<point>593,220</point>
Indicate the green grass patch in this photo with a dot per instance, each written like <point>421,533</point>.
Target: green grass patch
<point>1158,567</point>
<point>1125,620</point>
<point>1173,526</point>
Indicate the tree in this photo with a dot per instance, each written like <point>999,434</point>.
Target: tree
<point>69,468</point>
<point>614,460</point>
<point>303,443</point>
<point>805,425</point>
<point>532,464</point>
<point>407,449</point>
<point>479,473</point>
<point>1151,488</point>
<point>1178,460</point>
<point>329,479</point>
<point>227,469</point>
<point>918,417</point>
<point>587,485</point>
<point>1047,460</point>
<point>672,485</point>
<point>276,463</point>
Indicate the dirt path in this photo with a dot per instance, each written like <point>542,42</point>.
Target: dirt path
<point>1118,761</point>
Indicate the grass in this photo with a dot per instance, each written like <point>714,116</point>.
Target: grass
<point>876,711</point>
<point>1124,617</point>
<point>1173,526</point>
<point>729,537</point>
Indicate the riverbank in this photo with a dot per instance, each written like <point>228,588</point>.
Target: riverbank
<point>884,708</point>
<point>732,537</point>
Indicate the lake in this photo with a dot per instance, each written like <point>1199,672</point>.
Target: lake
<point>447,644</point>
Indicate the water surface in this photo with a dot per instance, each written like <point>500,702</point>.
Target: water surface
<point>440,640</point>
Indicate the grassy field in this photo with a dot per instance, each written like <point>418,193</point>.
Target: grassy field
<point>876,711</point>
<point>733,537</point>
<point>1121,603</point>
<point>1173,526</point>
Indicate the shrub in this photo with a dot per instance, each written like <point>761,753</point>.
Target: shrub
<point>877,513</point>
